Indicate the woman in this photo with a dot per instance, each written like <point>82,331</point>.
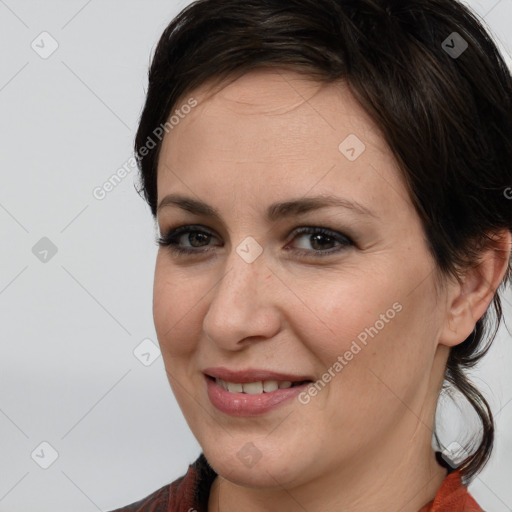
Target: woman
<point>330,180</point>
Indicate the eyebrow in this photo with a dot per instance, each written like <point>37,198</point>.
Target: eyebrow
<point>274,212</point>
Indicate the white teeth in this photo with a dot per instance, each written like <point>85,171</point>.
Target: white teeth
<point>235,387</point>
<point>270,385</point>
<point>254,388</point>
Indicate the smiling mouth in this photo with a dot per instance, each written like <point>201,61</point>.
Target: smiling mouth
<point>258,387</point>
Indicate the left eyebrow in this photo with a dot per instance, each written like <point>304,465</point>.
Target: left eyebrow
<point>274,212</point>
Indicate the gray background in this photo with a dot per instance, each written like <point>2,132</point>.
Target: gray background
<point>71,321</point>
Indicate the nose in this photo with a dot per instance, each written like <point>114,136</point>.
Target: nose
<point>245,305</point>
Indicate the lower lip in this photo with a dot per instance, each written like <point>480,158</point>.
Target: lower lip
<point>244,404</point>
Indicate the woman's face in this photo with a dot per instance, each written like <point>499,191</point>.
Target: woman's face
<point>353,309</point>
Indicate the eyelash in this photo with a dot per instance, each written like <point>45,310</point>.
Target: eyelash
<point>171,238</point>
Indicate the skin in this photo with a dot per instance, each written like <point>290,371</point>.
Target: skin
<point>364,442</point>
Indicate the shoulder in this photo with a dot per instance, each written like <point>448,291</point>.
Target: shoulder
<point>452,496</point>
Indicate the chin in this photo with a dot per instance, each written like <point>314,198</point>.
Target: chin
<point>249,466</point>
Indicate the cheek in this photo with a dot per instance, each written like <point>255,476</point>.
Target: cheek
<point>379,326</point>
<point>344,309</point>
<point>175,306</point>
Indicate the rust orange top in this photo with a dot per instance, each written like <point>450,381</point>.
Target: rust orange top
<point>452,496</point>
<point>190,493</point>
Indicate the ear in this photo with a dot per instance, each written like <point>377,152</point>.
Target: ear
<point>468,300</point>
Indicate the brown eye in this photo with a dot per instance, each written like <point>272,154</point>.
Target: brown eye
<point>176,240</point>
<point>321,241</point>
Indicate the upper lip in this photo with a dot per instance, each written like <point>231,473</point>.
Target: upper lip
<point>251,375</point>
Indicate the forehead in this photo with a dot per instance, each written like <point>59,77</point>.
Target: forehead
<point>275,128</point>
<point>285,95</point>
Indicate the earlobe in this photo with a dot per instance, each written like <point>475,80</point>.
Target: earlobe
<point>469,299</point>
